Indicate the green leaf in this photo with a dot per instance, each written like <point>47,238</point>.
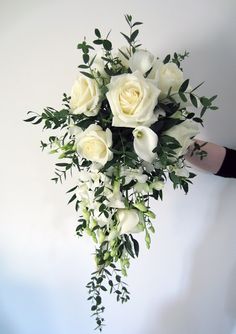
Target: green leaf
<point>62,164</point>
<point>205,101</point>
<point>118,278</point>
<point>184,86</point>
<point>97,33</point>
<point>85,58</point>
<point>213,98</point>
<point>190,115</point>
<point>136,245</point>
<point>126,37</point>
<point>198,120</point>
<point>197,87</point>
<point>89,75</point>
<point>72,189</point>
<point>183,97</point>
<point>107,45</point>
<point>98,300</point>
<point>99,191</point>
<point>193,100</point>
<point>136,24</point>
<point>99,280</point>
<point>167,59</point>
<point>134,35</point>
<point>72,198</point>
<point>30,119</point>
<point>124,54</point>
<point>38,121</point>
<point>203,111</point>
<point>98,41</point>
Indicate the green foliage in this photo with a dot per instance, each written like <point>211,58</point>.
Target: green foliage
<point>113,249</point>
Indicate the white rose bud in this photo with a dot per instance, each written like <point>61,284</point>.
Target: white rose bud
<point>85,96</point>
<point>184,134</point>
<point>93,144</point>
<point>145,140</point>
<point>128,220</point>
<point>141,61</point>
<point>169,75</point>
<point>132,99</point>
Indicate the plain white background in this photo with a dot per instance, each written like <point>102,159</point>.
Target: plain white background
<point>186,282</point>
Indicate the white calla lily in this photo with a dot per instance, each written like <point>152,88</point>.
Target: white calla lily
<point>145,140</point>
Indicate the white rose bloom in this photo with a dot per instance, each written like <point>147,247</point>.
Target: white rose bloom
<point>169,75</point>
<point>183,133</point>
<point>128,220</point>
<point>132,99</point>
<point>145,140</point>
<point>93,144</point>
<point>142,61</point>
<point>85,96</point>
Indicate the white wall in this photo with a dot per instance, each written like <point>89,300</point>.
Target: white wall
<point>186,282</point>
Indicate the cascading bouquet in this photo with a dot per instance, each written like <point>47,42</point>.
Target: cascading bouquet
<point>124,131</point>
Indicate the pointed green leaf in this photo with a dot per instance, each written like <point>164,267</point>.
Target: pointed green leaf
<point>184,86</point>
<point>97,33</point>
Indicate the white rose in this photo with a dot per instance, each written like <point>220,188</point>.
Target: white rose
<point>128,220</point>
<point>85,96</point>
<point>132,99</point>
<point>183,133</point>
<point>169,75</point>
<point>93,144</point>
<point>145,140</point>
<point>142,61</point>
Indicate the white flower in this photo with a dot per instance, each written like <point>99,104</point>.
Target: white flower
<point>93,144</point>
<point>145,140</point>
<point>141,187</point>
<point>85,96</point>
<point>128,220</point>
<point>142,61</point>
<point>154,73</point>
<point>156,184</point>
<point>183,133</point>
<point>133,174</point>
<point>74,129</point>
<point>169,75</point>
<point>132,99</point>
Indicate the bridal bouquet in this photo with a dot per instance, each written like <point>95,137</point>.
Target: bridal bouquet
<point>122,132</point>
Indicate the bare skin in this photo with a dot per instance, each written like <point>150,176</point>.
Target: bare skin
<point>212,161</point>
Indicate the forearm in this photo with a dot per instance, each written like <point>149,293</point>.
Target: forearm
<point>212,161</point>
